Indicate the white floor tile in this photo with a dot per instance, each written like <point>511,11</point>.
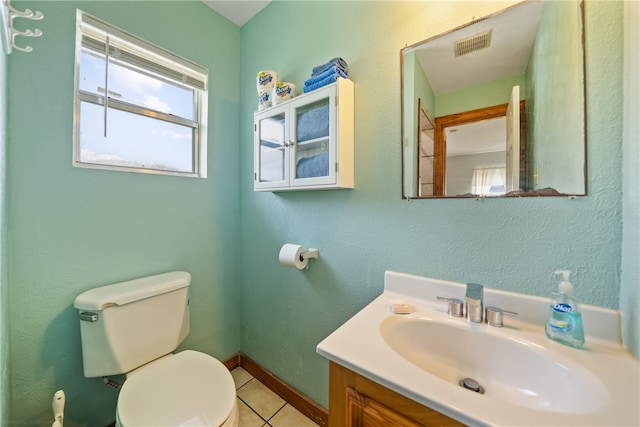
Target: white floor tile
<point>257,403</point>
<point>248,418</point>
<point>290,417</point>
<point>262,400</point>
<point>240,377</point>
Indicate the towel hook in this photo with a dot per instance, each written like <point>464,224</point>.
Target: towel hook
<point>9,13</point>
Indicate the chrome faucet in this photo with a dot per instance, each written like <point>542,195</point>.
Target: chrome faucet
<point>473,301</point>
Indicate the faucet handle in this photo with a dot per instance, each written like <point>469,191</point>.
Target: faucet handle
<point>494,316</point>
<point>455,306</point>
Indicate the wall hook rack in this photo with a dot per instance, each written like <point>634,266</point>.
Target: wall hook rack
<point>9,32</point>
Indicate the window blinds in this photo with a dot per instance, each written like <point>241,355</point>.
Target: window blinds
<point>133,50</point>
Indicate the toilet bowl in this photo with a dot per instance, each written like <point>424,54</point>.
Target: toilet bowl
<point>185,389</point>
<point>132,328</point>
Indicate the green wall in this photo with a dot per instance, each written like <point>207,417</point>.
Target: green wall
<point>484,95</point>
<point>511,244</point>
<point>4,288</point>
<point>630,277</point>
<point>410,120</point>
<point>72,229</point>
<point>554,83</point>
<point>415,83</point>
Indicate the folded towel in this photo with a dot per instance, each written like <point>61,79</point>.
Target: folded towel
<point>327,81</point>
<point>332,62</point>
<point>327,73</point>
<point>331,68</point>
<point>312,167</point>
<point>312,124</point>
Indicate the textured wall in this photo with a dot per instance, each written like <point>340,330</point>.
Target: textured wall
<point>555,85</point>
<point>630,280</point>
<point>508,244</point>
<point>4,285</point>
<point>72,229</point>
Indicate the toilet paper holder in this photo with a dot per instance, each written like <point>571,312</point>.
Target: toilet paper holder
<point>307,255</point>
<point>297,256</point>
<point>310,253</point>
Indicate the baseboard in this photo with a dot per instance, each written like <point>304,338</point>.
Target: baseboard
<point>233,362</point>
<point>302,403</point>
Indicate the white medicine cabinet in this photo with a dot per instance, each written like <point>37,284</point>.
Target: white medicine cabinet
<point>306,143</point>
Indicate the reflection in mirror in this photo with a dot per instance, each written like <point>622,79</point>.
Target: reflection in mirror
<point>426,153</point>
<point>482,163</point>
<point>496,107</point>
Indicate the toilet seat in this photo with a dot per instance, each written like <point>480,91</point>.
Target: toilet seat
<point>185,389</point>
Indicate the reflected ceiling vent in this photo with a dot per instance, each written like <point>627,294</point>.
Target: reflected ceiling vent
<point>473,43</point>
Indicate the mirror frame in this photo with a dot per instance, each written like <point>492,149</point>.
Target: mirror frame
<point>544,192</point>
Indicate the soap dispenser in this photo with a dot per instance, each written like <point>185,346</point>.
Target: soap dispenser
<point>564,322</point>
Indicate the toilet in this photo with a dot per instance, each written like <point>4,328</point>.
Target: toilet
<point>132,328</point>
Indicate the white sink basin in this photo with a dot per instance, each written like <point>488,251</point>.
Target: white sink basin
<point>514,371</point>
<point>528,380</point>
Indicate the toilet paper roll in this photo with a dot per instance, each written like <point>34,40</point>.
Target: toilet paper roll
<point>266,80</point>
<point>291,256</point>
<point>282,91</point>
<point>264,99</point>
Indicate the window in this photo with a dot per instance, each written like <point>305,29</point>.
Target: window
<point>489,181</point>
<point>138,107</point>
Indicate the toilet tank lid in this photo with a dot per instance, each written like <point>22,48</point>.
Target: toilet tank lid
<point>131,290</point>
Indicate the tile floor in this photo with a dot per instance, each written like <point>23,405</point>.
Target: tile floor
<point>261,407</point>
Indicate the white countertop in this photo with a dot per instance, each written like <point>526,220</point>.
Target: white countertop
<point>615,374</point>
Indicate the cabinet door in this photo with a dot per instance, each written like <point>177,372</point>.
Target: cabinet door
<point>363,411</point>
<point>271,148</point>
<point>313,135</point>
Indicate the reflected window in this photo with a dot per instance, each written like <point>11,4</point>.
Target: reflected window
<point>489,181</point>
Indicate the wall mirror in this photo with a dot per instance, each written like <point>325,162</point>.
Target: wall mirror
<point>496,107</point>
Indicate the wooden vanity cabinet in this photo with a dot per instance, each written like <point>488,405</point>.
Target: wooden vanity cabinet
<point>356,401</point>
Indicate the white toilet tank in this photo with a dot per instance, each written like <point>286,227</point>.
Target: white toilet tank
<point>127,324</point>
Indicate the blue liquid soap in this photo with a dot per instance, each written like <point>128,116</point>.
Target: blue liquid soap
<point>565,328</point>
<point>564,321</point>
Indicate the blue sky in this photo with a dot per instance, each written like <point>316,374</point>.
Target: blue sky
<point>134,140</point>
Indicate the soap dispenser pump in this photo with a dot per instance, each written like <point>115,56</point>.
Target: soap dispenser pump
<point>564,322</point>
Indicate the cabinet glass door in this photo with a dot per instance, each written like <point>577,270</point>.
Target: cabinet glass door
<point>272,154</point>
<point>314,158</point>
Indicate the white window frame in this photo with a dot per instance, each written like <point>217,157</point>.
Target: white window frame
<point>94,34</point>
